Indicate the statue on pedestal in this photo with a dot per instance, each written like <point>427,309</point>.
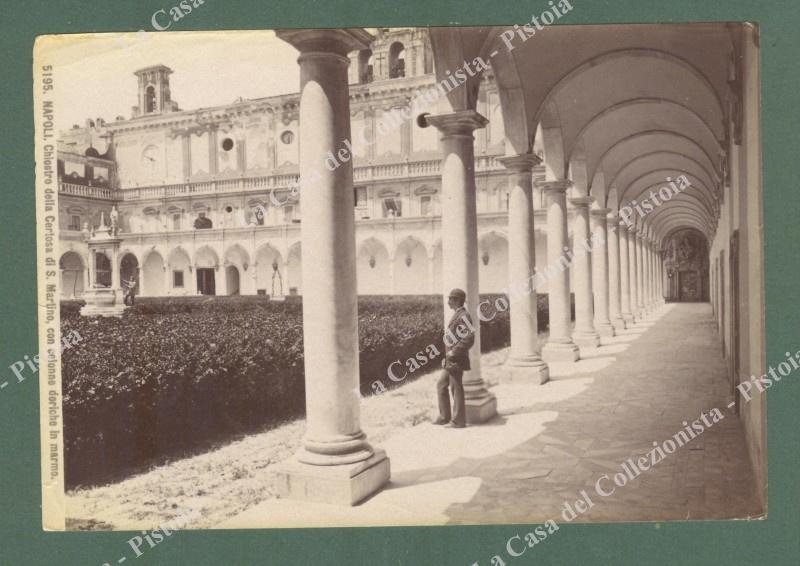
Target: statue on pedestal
<point>114,221</point>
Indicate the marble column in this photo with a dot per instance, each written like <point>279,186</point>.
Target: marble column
<point>653,277</point>
<point>559,347</point>
<point>659,294</point>
<point>645,283</point>
<point>524,359</point>
<point>584,334</point>
<point>650,278</point>
<point>614,271</point>
<point>632,268</point>
<point>660,275</point>
<point>115,275</point>
<point>336,464</point>
<point>643,299</point>
<point>460,241</point>
<point>115,279</point>
<point>639,274</point>
<point>600,265</point>
<point>625,288</point>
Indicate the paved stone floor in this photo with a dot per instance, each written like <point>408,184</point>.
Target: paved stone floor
<point>551,441</point>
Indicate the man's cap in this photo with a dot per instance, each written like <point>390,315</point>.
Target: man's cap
<point>458,294</point>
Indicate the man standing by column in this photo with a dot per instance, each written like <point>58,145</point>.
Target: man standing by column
<point>458,339</point>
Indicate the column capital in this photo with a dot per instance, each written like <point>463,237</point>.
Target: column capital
<point>335,41</point>
<point>520,163</point>
<point>581,202</point>
<point>600,212</point>
<point>560,185</point>
<point>462,122</point>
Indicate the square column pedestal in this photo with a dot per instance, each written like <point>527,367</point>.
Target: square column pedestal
<point>560,352</point>
<point>538,374</point>
<point>481,409</point>
<point>344,484</point>
<point>103,301</point>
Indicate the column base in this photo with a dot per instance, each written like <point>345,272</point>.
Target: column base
<point>604,329</point>
<point>278,298</point>
<point>528,369</point>
<point>481,409</point>
<point>619,323</point>
<point>586,339</point>
<point>346,484</point>
<point>629,319</point>
<point>560,352</point>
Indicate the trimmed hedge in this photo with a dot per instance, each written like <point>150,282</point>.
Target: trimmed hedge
<point>173,376</point>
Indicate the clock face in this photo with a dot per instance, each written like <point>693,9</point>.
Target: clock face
<point>150,159</point>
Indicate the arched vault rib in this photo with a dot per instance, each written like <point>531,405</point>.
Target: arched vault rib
<point>675,210</point>
<point>660,160</point>
<point>679,215</point>
<point>650,141</point>
<point>657,178</point>
<point>617,77</point>
<point>623,120</point>
<point>692,200</point>
<point>680,223</point>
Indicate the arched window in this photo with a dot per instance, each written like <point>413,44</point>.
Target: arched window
<point>150,99</point>
<point>397,60</point>
<point>365,72</point>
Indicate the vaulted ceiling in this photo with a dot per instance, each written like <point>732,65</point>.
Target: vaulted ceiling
<point>618,109</point>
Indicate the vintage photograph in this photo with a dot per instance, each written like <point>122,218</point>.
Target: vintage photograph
<point>402,276</point>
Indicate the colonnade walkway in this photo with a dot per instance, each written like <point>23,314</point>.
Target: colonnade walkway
<point>549,442</point>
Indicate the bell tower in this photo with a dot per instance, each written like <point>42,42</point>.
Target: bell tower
<point>154,94</point>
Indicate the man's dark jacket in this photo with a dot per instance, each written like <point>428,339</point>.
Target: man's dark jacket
<point>457,348</point>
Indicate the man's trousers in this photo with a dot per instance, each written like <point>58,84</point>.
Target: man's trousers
<point>451,378</point>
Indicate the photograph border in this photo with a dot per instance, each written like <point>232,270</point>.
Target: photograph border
<point>772,541</point>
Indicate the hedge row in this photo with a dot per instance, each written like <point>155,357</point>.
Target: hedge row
<point>173,376</point>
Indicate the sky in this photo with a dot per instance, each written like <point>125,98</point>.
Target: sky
<point>94,72</point>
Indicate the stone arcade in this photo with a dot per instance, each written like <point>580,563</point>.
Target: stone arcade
<point>563,133</point>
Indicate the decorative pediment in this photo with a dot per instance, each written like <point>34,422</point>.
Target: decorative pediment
<point>425,190</point>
